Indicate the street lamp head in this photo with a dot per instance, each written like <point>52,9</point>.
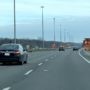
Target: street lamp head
<point>42,6</point>
<point>54,18</point>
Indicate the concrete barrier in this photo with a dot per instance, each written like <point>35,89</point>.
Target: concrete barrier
<point>85,53</point>
<point>45,49</point>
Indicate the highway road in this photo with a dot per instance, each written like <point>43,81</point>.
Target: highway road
<point>47,70</point>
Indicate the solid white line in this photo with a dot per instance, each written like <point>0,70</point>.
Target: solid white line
<point>40,64</point>
<point>83,57</point>
<point>30,71</point>
<point>8,88</point>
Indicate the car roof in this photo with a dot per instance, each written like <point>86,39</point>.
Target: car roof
<point>12,44</point>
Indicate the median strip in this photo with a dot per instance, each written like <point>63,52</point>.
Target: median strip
<point>7,88</point>
<point>27,73</point>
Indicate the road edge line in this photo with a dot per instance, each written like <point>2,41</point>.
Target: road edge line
<point>83,57</point>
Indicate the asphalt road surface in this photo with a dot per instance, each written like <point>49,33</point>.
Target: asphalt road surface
<point>47,70</point>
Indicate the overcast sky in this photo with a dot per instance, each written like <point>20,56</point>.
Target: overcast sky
<point>73,15</point>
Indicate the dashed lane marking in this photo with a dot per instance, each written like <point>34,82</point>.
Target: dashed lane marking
<point>40,64</point>
<point>7,88</point>
<point>27,73</point>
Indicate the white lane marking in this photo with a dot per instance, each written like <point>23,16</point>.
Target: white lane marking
<point>46,60</point>
<point>45,70</point>
<point>40,64</point>
<point>7,88</point>
<point>83,57</point>
<point>30,71</point>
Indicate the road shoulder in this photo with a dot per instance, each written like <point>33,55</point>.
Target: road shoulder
<point>84,57</point>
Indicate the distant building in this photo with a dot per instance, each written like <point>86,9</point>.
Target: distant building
<point>53,45</point>
<point>86,44</point>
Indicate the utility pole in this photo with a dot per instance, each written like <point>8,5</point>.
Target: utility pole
<point>60,34</point>
<point>14,21</point>
<point>64,35</point>
<point>54,31</point>
<point>42,7</point>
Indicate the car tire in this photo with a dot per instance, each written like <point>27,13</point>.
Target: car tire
<point>26,59</point>
<point>20,62</point>
<point>25,62</point>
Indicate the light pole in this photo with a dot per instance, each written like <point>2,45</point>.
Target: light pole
<point>68,36</point>
<point>42,7</point>
<point>54,30</point>
<point>60,34</point>
<point>64,35</point>
<point>14,21</point>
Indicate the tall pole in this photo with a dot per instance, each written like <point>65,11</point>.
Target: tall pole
<point>60,34</point>
<point>54,30</point>
<point>14,21</point>
<point>42,27</point>
<point>68,36</point>
<point>64,35</point>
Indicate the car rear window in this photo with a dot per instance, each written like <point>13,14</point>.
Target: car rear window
<point>8,47</point>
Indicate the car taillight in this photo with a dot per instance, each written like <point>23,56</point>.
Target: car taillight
<point>17,52</point>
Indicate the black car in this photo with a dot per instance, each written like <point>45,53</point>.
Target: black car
<point>61,48</point>
<point>75,48</point>
<point>13,53</point>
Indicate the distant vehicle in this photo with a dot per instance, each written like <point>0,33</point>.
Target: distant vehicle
<point>13,53</point>
<point>30,50</point>
<point>75,48</point>
<point>61,48</point>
